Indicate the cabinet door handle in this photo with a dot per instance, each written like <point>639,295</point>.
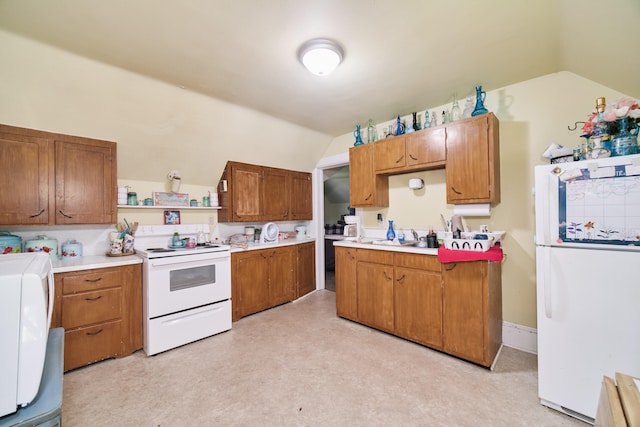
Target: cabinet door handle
<point>37,214</point>
<point>455,191</point>
<point>93,280</point>
<point>93,299</point>
<point>413,158</point>
<point>64,214</point>
<point>91,334</point>
<point>369,196</point>
<point>451,267</point>
<point>400,159</point>
<point>401,279</point>
<point>385,275</point>
<point>263,256</point>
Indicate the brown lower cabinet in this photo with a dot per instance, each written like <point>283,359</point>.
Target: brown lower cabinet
<point>455,308</point>
<point>101,312</point>
<point>306,268</point>
<point>265,278</point>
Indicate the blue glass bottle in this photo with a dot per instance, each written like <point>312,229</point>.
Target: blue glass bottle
<point>356,133</point>
<point>390,233</point>
<point>480,97</point>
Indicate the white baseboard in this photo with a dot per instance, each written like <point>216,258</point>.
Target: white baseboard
<point>520,337</point>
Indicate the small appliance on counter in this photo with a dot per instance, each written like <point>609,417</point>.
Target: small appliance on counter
<point>10,244</point>
<point>43,244</point>
<point>351,227</point>
<point>269,233</point>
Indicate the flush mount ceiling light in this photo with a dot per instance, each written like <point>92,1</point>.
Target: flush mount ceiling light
<point>320,56</point>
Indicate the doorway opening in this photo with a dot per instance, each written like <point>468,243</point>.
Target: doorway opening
<point>336,206</point>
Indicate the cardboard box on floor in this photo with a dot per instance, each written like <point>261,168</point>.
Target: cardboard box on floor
<point>619,406</point>
<point>630,397</point>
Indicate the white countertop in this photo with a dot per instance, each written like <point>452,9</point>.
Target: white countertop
<point>366,244</point>
<point>93,261</point>
<point>283,242</point>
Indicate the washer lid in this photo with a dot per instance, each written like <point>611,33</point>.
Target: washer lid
<point>269,233</point>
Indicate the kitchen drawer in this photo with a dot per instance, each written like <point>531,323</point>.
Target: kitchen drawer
<point>88,308</point>
<point>89,280</point>
<point>422,262</point>
<point>91,344</point>
<point>375,256</point>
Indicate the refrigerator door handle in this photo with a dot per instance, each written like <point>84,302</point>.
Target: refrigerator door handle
<point>547,283</point>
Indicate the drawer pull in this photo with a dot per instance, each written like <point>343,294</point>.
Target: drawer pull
<point>93,280</point>
<point>386,276</point>
<point>37,214</point>
<point>451,268</point>
<point>64,214</point>
<point>91,334</point>
<point>401,279</point>
<point>93,299</point>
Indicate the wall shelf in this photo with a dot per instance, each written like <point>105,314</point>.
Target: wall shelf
<point>171,208</point>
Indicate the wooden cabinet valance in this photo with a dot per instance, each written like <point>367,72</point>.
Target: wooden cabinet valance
<point>251,193</point>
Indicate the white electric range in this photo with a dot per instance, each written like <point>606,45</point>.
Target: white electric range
<point>186,291</point>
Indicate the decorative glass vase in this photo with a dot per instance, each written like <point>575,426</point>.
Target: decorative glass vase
<point>356,133</point>
<point>372,132</point>
<point>456,112</point>
<point>390,233</point>
<point>625,142</point>
<point>480,97</point>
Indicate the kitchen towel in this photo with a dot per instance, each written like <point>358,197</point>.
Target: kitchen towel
<point>447,255</point>
<point>477,209</point>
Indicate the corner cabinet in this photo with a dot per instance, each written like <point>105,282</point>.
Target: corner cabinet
<point>366,189</point>
<point>455,308</point>
<point>473,160</point>
<point>56,179</point>
<point>346,290</point>
<point>254,193</point>
<point>101,313</point>
<point>306,268</point>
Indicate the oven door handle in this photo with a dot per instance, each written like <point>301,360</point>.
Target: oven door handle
<point>189,259</point>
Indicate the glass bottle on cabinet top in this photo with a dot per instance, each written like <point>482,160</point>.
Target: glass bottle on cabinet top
<point>427,119</point>
<point>372,133</point>
<point>456,113</point>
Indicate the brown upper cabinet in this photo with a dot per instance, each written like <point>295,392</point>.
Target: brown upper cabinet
<point>366,189</point>
<point>414,151</point>
<point>258,193</point>
<point>468,149</point>
<point>56,179</point>
<point>473,160</point>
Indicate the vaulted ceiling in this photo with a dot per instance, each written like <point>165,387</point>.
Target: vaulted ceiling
<point>400,55</point>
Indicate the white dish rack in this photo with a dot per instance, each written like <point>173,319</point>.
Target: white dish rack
<point>469,243</point>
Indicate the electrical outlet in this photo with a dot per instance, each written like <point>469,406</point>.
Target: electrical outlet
<point>380,218</point>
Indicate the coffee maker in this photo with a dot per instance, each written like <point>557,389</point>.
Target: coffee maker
<point>351,227</point>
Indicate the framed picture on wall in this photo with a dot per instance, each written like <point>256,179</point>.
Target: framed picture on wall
<point>172,217</point>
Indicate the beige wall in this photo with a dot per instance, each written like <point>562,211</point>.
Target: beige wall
<point>532,115</point>
<point>158,127</point>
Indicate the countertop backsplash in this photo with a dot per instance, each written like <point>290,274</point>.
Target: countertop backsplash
<point>94,237</point>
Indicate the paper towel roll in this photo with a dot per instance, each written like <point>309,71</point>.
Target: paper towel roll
<point>480,209</point>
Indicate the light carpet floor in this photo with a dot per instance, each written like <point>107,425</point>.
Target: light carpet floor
<point>300,365</point>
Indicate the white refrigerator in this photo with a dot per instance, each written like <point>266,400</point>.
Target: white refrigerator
<point>588,279</point>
